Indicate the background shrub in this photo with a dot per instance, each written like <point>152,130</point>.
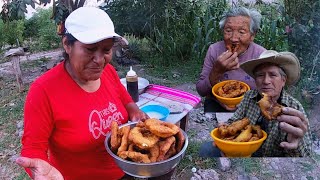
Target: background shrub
<point>303,27</point>
<point>12,32</point>
<point>41,31</point>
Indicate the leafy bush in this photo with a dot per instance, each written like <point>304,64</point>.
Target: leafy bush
<point>272,34</point>
<point>12,33</point>
<point>2,36</point>
<point>41,30</point>
<point>207,29</point>
<point>139,48</point>
<point>135,17</point>
<point>173,40</point>
<point>303,28</point>
<point>167,24</point>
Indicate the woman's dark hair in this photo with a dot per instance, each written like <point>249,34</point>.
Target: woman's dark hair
<point>70,41</point>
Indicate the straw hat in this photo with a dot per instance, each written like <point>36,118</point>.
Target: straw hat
<point>286,60</point>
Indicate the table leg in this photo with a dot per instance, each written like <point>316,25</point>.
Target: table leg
<point>184,122</point>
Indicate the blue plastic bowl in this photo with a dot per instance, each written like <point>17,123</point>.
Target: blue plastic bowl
<point>156,111</point>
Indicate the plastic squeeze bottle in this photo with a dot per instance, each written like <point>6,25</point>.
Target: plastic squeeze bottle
<point>132,84</point>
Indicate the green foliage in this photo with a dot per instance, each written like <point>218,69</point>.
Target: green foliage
<point>41,30</point>
<point>135,17</point>
<point>12,32</point>
<point>207,29</point>
<point>304,38</point>
<point>15,9</point>
<point>168,25</point>
<point>139,48</point>
<point>272,34</point>
<point>61,11</point>
<point>2,35</point>
<point>174,38</point>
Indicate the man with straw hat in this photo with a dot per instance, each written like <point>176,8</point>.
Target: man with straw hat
<point>289,132</point>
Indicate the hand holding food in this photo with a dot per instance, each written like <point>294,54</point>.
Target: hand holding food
<point>226,61</point>
<point>233,47</point>
<point>269,109</point>
<point>149,141</point>
<point>295,124</point>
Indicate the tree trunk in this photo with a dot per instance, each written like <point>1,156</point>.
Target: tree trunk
<point>16,67</point>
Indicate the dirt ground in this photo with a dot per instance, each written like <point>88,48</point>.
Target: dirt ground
<point>270,168</point>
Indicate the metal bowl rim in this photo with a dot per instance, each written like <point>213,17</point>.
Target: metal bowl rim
<point>144,164</point>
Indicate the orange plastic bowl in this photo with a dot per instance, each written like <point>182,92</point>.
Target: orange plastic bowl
<point>237,149</point>
<point>230,102</point>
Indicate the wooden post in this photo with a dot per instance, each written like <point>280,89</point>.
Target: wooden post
<point>16,67</point>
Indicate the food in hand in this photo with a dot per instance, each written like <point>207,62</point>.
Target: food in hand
<point>269,109</point>
<point>232,89</point>
<point>233,47</point>
<point>240,131</point>
<point>140,144</point>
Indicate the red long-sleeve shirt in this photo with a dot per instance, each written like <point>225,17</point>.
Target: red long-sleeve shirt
<point>67,126</point>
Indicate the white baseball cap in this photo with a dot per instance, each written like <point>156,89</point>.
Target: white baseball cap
<point>90,25</point>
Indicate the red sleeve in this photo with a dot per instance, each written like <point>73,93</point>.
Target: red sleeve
<point>38,124</point>
<point>124,95</point>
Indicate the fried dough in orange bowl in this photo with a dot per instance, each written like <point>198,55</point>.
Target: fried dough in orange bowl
<point>230,92</point>
<point>237,149</point>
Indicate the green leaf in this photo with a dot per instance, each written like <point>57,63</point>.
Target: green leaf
<point>20,14</point>
<point>208,37</point>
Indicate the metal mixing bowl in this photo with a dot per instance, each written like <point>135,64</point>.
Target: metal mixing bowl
<point>143,170</point>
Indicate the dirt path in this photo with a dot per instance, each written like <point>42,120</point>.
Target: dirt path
<point>6,68</point>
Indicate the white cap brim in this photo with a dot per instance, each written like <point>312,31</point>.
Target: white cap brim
<point>94,36</point>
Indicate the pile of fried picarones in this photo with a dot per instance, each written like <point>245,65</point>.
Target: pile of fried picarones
<point>232,89</point>
<point>149,141</point>
<point>240,131</point>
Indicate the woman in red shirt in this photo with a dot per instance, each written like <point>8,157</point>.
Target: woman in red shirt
<point>69,109</point>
